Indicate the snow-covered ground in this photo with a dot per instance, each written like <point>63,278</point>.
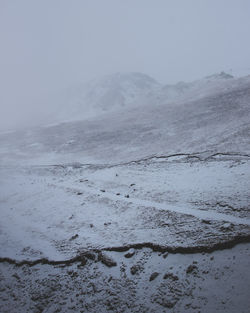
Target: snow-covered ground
<point>215,282</point>
<point>173,215</point>
<point>144,208</point>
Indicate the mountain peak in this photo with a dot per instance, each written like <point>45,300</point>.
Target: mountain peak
<point>221,75</point>
<point>109,93</point>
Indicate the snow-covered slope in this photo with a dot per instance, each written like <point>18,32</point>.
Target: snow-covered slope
<point>197,89</point>
<point>120,91</point>
<point>210,114</point>
<point>167,187</point>
<point>104,95</point>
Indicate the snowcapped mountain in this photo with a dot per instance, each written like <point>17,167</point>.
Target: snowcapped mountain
<point>197,89</point>
<point>133,116</point>
<point>123,91</point>
<point>110,93</point>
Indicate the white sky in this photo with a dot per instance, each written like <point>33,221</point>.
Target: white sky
<point>47,45</point>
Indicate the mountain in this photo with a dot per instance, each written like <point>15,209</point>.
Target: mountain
<point>121,91</point>
<point>134,117</point>
<point>107,94</point>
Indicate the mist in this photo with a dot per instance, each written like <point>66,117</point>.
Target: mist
<point>124,156</point>
<point>47,46</point>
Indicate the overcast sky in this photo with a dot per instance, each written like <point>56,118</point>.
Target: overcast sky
<point>47,45</point>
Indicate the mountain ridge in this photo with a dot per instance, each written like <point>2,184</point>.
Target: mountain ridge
<point>215,118</point>
<point>121,91</point>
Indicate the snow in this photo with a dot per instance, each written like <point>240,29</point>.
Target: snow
<point>130,164</point>
<point>220,283</point>
<point>55,203</point>
<point>217,121</point>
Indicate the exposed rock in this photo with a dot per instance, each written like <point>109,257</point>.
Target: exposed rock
<point>135,269</point>
<point>74,237</point>
<point>168,303</point>
<point>153,276</point>
<point>16,276</point>
<point>206,221</point>
<point>130,253</point>
<point>191,268</point>
<point>165,255</point>
<point>82,261</point>
<point>170,276</point>
<point>106,260</point>
<point>72,273</point>
<point>89,255</point>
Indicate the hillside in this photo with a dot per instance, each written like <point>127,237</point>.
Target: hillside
<point>211,114</point>
<point>140,206</point>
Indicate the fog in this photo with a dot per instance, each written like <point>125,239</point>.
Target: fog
<point>48,45</point>
<point>124,156</point>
